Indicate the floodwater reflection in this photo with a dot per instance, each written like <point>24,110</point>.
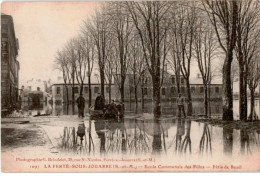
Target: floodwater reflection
<point>173,137</point>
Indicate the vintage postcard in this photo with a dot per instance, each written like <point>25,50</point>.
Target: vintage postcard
<point>130,86</point>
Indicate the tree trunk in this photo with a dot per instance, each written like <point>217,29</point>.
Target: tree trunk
<point>252,104</point>
<point>209,100</point>
<point>245,95</point>
<point>122,89</point>
<point>130,97</point>
<point>189,107</point>
<point>67,94</point>
<point>136,100</point>
<point>156,96</point>
<point>102,81</point>
<point>227,97</point>
<point>206,100</point>
<point>142,98</point>
<point>242,108</point>
<point>89,91</point>
<point>73,97</point>
<point>81,89</point>
<point>177,80</point>
<point>109,92</point>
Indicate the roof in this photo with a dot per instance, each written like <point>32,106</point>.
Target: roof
<point>198,80</point>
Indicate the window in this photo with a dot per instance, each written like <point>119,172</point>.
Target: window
<point>173,80</point>
<point>217,89</point>
<point>107,89</point>
<point>201,89</point>
<point>58,90</point>
<point>86,89</point>
<point>182,89</point>
<point>173,90</point>
<point>193,89</point>
<point>163,91</point>
<point>145,91</point>
<point>96,89</point>
<point>75,90</point>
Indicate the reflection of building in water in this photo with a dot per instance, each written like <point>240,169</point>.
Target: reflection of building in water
<point>30,108</point>
<point>9,63</point>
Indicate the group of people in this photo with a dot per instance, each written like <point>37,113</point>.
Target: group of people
<point>111,110</point>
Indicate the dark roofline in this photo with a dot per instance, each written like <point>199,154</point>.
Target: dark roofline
<point>61,84</point>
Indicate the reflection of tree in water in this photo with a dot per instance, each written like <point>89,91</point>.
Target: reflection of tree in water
<point>139,144</point>
<point>247,139</point>
<point>112,136</point>
<point>157,141</point>
<point>76,141</point>
<point>181,145</point>
<point>205,141</point>
<point>227,140</point>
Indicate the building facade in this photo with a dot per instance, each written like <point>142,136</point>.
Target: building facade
<point>169,90</point>
<point>9,63</point>
<point>59,92</point>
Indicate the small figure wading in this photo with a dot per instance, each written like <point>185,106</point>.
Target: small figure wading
<point>180,103</point>
<point>81,106</point>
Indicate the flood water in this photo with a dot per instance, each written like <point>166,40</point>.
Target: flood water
<point>136,137</point>
<point>168,108</point>
<point>140,137</point>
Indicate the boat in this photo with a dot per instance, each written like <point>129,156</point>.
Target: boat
<point>95,113</point>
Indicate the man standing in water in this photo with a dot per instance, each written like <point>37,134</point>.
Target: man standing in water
<point>81,105</point>
<point>99,103</point>
<point>180,103</point>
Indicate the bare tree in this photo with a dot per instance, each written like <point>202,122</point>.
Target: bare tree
<point>223,16</point>
<point>99,27</point>
<point>110,67</point>
<point>205,51</point>
<point>151,22</point>
<point>121,29</point>
<point>253,82</point>
<point>89,51</point>
<point>81,62</point>
<point>60,63</point>
<point>71,67</point>
<point>247,32</point>
<point>137,66</point>
<point>184,17</point>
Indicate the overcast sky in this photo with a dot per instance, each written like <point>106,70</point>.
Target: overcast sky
<point>42,28</point>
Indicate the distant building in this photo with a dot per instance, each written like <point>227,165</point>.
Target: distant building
<point>9,63</point>
<point>60,95</point>
<point>35,96</point>
<point>169,88</point>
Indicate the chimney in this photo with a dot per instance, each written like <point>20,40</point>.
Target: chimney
<point>198,75</point>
